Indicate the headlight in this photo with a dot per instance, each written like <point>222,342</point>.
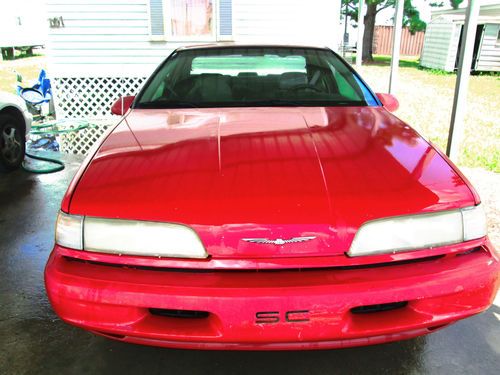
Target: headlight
<point>128,237</point>
<point>69,231</point>
<point>420,231</point>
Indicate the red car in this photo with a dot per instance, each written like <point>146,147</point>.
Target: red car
<point>263,197</point>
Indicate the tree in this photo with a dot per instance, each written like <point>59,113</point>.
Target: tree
<point>411,18</point>
<point>456,3</point>
<point>453,3</point>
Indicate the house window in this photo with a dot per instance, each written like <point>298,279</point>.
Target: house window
<point>190,20</point>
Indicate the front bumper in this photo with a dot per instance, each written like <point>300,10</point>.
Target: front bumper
<point>271,310</point>
<point>28,121</point>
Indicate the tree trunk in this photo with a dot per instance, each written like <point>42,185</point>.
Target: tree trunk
<point>371,13</point>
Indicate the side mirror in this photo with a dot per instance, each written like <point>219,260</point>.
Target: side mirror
<point>388,101</point>
<point>121,106</point>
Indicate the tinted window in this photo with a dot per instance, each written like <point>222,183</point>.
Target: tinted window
<point>274,76</point>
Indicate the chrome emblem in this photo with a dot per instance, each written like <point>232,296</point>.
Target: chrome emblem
<point>279,241</point>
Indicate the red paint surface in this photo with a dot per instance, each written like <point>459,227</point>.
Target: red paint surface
<point>277,173</point>
<point>122,105</point>
<point>388,101</point>
<point>267,172</point>
<point>116,301</point>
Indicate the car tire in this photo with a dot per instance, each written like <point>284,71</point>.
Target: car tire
<point>12,142</point>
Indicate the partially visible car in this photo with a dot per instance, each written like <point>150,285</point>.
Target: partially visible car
<point>15,124</point>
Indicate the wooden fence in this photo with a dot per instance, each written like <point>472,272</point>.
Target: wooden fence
<point>411,44</point>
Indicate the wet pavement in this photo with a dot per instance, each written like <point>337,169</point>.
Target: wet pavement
<point>34,341</point>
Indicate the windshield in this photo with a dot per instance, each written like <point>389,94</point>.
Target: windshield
<point>257,76</point>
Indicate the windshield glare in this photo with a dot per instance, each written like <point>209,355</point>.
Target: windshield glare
<point>244,77</point>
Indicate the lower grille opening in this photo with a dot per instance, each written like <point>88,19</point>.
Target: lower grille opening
<point>185,314</point>
<point>368,309</point>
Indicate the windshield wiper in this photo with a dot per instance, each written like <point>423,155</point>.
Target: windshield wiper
<point>160,104</point>
<point>274,102</point>
<point>307,103</point>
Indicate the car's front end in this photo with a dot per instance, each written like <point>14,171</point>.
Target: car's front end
<point>288,308</point>
<point>269,227</point>
<point>15,125</point>
<point>11,103</point>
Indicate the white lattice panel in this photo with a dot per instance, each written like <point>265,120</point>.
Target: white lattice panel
<point>80,142</point>
<point>90,98</point>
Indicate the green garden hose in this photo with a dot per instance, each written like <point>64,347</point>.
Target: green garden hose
<point>55,127</point>
<point>59,165</point>
<point>59,127</point>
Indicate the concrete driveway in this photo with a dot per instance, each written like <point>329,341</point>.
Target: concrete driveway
<point>34,341</point>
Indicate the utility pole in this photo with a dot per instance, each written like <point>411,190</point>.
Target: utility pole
<point>464,67</point>
<point>361,29</point>
<point>396,46</point>
<point>346,37</point>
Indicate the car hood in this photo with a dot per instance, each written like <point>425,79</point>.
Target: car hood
<point>275,173</point>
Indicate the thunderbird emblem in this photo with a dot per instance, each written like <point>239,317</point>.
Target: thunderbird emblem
<point>279,241</point>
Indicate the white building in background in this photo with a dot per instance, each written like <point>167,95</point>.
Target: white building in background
<point>23,24</point>
<point>99,50</point>
<point>443,37</point>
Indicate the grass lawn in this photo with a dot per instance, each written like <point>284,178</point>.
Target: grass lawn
<point>28,67</point>
<point>426,99</point>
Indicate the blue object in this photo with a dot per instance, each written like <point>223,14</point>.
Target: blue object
<point>40,92</point>
<point>32,96</point>
<point>45,143</point>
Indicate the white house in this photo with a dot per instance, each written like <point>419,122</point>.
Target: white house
<point>443,36</point>
<point>22,25</point>
<point>99,50</point>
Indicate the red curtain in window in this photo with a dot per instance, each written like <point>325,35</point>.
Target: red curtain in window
<point>191,17</point>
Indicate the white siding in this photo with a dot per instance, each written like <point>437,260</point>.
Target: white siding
<point>112,37</point>
<point>287,21</point>
<point>103,38</point>
<point>20,27</point>
<point>439,37</point>
<point>453,47</point>
<point>489,57</point>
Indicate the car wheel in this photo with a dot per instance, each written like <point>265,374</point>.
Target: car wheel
<point>12,142</point>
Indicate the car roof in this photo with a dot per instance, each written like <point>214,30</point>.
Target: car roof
<point>246,45</point>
